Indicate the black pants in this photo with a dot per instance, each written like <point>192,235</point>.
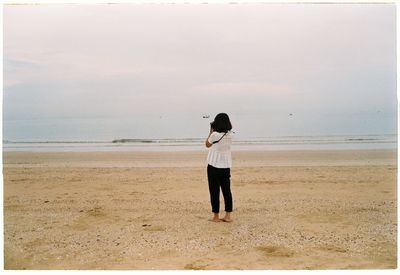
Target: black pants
<point>219,178</point>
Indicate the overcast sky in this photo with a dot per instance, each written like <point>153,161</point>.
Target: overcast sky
<point>135,59</point>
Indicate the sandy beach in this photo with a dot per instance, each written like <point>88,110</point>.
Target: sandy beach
<point>150,210</point>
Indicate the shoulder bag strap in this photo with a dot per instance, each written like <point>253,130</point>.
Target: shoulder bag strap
<point>220,138</point>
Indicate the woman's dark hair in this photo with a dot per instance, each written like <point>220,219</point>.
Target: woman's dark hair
<point>221,123</point>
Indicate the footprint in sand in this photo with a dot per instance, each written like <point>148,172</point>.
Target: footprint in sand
<point>333,248</point>
<point>194,266</point>
<point>276,251</point>
<point>153,228</point>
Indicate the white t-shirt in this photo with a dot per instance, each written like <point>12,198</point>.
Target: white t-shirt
<point>219,154</point>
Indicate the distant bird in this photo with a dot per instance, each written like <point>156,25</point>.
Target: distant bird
<point>290,114</point>
<point>206,116</point>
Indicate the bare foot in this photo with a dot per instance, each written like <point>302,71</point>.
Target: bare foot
<point>227,217</point>
<point>215,218</point>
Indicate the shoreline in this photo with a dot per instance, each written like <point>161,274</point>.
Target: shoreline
<point>43,148</point>
<point>267,143</point>
<point>198,158</point>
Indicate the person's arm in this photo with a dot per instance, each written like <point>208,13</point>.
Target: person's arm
<point>208,145</point>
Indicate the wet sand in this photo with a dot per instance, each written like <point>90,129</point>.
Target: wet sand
<point>150,210</point>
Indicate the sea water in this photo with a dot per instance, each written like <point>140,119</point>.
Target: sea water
<point>188,133</point>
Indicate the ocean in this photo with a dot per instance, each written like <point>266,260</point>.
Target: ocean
<point>196,144</point>
<point>188,133</point>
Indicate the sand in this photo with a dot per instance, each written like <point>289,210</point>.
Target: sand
<point>150,210</point>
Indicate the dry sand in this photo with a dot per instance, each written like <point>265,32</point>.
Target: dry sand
<point>127,210</point>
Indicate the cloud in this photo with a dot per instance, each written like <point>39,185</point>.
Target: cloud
<point>102,60</point>
<point>243,89</point>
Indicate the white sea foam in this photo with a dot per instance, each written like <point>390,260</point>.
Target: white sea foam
<point>196,144</point>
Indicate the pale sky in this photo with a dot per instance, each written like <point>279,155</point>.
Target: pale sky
<point>135,59</point>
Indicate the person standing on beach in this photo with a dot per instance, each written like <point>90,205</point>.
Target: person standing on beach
<point>219,161</point>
